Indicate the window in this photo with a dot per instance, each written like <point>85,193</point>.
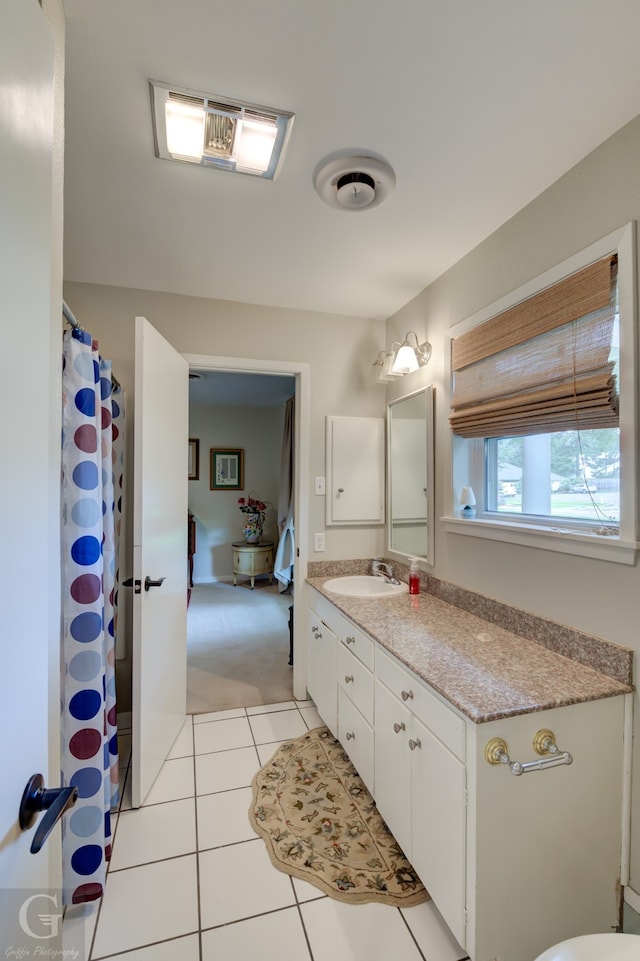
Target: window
<point>543,408</point>
<point>573,476</point>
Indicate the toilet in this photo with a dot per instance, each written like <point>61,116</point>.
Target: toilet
<point>595,947</point>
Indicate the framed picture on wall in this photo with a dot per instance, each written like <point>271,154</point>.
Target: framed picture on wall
<point>194,459</point>
<point>227,469</point>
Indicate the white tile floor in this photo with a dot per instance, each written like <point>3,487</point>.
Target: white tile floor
<point>190,879</point>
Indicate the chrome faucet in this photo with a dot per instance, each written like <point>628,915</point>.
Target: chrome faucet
<point>382,569</point>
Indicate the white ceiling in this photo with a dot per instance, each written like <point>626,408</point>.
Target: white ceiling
<point>478,105</point>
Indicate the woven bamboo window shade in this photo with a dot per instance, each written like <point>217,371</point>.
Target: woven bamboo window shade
<point>543,365</point>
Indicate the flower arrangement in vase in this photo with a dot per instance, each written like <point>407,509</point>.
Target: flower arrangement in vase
<point>254,510</point>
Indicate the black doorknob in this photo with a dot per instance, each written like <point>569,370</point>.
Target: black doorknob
<point>37,798</point>
<point>150,582</point>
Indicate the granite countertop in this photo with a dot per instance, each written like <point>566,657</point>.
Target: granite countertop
<point>483,670</point>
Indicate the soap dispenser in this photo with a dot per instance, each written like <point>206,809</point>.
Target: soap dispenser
<point>414,576</point>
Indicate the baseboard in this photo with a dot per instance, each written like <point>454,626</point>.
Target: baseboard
<point>227,578</point>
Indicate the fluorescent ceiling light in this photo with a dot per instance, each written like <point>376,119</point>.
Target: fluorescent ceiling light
<point>207,130</point>
<point>185,130</point>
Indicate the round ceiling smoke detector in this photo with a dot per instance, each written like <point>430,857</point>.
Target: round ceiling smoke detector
<point>354,182</point>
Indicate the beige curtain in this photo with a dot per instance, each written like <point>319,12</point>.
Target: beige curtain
<point>543,365</point>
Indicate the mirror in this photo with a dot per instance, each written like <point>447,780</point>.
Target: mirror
<point>410,475</point>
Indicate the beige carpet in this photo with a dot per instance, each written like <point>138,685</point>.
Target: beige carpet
<point>320,823</point>
<point>237,647</point>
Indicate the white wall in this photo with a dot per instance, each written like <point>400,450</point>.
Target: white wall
<point>258,432</point>
<point>599,195</point>
<point>340,351</point>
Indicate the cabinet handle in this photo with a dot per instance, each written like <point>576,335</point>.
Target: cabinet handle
<point>350,736</point>
<point>414,744</point>
<point>348,678</point>
<point>399,727</point>
<point>350,640</point>
<point>407,695</point>
<point>341,490</point>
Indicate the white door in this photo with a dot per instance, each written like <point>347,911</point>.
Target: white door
<point>29,594</point>
<point>161,423</point>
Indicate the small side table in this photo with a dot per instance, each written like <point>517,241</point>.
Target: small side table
<point>252,560</point>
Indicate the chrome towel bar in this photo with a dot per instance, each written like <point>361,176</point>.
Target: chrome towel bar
<point>544,743</point>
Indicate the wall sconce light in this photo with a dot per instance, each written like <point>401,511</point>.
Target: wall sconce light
<point>384,363</point>
<point>468,503</point>
<point>410,358</point>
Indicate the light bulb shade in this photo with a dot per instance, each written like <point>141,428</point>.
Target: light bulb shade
<point>385,372</point>
<point>406,361</point>
<point>467,497</point>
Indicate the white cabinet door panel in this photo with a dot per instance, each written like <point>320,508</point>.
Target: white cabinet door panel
<point>355,470</point>
<point>322,680</point>
<point>356,737</point>
<point>438,815</point>
<point>392,765</point>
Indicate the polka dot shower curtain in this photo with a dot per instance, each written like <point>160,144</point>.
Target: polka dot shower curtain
<point>92,460</point>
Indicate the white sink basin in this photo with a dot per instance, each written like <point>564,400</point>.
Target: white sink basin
<point>364,585</point>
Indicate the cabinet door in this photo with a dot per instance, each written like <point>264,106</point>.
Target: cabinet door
<point>438,817</point>
<point>355,470</point>
<point>263,561</point>
<point>392,765</point>
<point>322,679</point>
<point>356,737</point>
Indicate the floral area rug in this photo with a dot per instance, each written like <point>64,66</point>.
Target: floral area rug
<point>320,823</point>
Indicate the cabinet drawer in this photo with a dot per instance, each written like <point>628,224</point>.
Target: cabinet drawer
<point>447,726</point>
<point>356,681</point>
<point>358,643</point>
<point>356,737</point>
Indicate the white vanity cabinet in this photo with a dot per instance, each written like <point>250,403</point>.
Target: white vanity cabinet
<point>420,785</point>
<point>513,863</point>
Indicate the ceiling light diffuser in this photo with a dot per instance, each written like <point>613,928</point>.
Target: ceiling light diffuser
<point>212,131</point>
<point>353,181</point>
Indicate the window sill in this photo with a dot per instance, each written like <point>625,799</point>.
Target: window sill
<point>561,540</point>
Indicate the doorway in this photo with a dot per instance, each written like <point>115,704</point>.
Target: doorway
<point>228,385</point>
